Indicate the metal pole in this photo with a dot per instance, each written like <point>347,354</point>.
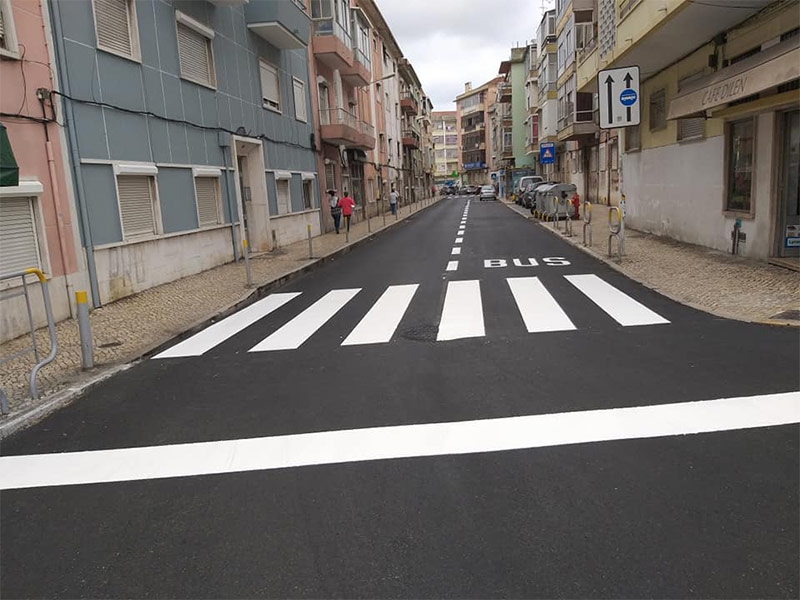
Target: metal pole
<point>310,250</point>
<point>84,330</point>
<point>246,253</point>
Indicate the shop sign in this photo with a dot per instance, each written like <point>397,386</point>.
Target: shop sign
<point>792,238</point>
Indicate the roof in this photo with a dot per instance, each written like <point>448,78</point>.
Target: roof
<point>480,88</point>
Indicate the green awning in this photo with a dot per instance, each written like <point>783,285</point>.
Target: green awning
<point>9,171</point>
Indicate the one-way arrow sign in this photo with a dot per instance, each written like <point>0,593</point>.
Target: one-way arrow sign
<point>619,97</point>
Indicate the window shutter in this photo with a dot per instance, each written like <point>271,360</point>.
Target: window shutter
<point>19,247</point>
<point>284,205</point>
<point>691,128</point>
<point>207,210</point>
<point>136,205</point>
<point>113,25</point>
<point>195,54</point>
<point>2,29</point>
<point>300,100</point>
<point>270,89</point>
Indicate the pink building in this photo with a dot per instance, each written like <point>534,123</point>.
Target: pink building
<point>38,226</point>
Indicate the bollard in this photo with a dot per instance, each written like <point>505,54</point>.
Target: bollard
<point>84,330</point>
<point>246,254</point>
<point>369,223</point>
<point>587,223</point>
<point>310,249</point>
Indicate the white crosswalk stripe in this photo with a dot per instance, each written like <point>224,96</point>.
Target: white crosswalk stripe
<point>382,320</point>
<point>219,332</point>
<point>462,315</point>
<point>538,308</point>
<point>622,308</point>
<point>303,326</point>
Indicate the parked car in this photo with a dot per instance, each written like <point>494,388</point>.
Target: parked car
<point>487,193</point>
<point>522,183</point>
<point>471,190</point>
<point>449,190</point>
<point>529,195</point>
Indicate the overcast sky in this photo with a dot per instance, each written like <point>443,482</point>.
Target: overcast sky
<point>450,42</point>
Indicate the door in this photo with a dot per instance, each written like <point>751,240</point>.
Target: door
<point>245,189</point>
<point>789,214</point>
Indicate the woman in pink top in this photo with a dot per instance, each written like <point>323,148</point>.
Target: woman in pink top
<point>346,203</point>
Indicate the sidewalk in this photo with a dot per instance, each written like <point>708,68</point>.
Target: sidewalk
<point>135,326</point>
<point>715,282</point>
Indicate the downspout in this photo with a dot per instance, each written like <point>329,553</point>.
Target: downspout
<point>80,194</point>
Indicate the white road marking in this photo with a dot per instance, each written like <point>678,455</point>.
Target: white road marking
<point>538,308</point>
<point>304,325</point>
<point>455,251</point>
<point>380,323</point>
<point>452,265</point>
<point>404,441</point>
<point>459,240</point>
<point>462,315</point>
<point>217,333</point>
<point>622,308</point>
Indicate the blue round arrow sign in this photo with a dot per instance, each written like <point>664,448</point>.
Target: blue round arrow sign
<point>627,97</point>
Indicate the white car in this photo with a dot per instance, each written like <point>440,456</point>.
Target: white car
<point>487,193</point>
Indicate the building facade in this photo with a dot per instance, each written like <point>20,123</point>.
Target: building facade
<point>38,222</point>
<point>718,146</point>
<point>473,121</point>
<point>547,109</point>
<point>445,143</point>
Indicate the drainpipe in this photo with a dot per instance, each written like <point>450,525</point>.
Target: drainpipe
<point>72,140</point>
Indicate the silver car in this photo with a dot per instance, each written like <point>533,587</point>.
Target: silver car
<point>488,193</point>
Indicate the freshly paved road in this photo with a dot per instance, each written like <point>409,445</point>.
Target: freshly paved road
<point>706,515</point>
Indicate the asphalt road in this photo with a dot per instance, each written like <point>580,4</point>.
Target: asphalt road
<point>706,515</point>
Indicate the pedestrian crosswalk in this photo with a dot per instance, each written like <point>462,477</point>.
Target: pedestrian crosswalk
<point>462,314</point>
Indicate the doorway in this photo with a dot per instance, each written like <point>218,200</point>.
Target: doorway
<point>788,234</point>
<point>251,193</point>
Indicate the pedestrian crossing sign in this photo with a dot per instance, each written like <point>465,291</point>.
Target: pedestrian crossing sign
<point>547,153</point>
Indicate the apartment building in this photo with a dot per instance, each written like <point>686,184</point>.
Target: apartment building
<point>531,122</point>
<point>474,133</point>
<point>428,162</point>
<point>413,108</point>
<point>445,143</point>
<point>718,146</point>
<point>190,131</point>
<point>547,90</point>
<point>38,221</point>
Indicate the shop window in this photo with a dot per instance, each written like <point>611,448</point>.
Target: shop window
<point>194,51</point>
<point>115,27</point>
<point>137,205</point>
<point>271,88</point>
<point>740,147</point>
<point>8,34</point>
<point>208,204</point>
<point>19,236</point>
<point>658,110</point>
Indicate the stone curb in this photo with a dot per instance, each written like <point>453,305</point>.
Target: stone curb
<point>619,269</point>
<point>60,399</point>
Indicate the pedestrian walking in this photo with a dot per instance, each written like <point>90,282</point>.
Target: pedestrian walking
<point>393,198</point>
<point>336,210</point>
<point>346,204</point>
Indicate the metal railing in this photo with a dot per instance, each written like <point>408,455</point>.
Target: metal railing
<point>329,26</point>
<point>51,327</point>
<point>340,116</point>
<point>362,58</point>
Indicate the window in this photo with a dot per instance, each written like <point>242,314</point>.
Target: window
<point>194,50</point>
<point>330,176</point>
<point>115,27</point>
<point>632,138</point>
<point>284,198</point>
<point>136,198</point>
<point>8,34</point>
<point>271,87</point>
<point>695,127</point>
<point>308,194</point>
<point>740,166</point>
<point>300,112</point>
<point>658,110</point>
<point>18,235</point>
<point>207,191</point>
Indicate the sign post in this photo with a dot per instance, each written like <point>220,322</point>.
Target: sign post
<point>620,105</point>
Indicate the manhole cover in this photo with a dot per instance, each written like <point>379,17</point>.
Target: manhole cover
<point>422,333</point>
<point>790,315</point>
<point>110,345</point>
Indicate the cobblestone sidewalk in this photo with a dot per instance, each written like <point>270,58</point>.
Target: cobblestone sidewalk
<point>722,284</point>
<point>129,328</point>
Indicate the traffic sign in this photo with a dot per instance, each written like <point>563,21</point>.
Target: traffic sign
<point>619,97</point>
<point>547,153</point>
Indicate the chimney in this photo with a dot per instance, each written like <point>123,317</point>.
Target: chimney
<point>467,86</point>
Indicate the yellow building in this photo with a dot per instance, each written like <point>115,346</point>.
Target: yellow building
<point>718,146</point>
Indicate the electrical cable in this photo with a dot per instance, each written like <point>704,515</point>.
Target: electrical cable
<point>25,117</point>
<point>715,5</point>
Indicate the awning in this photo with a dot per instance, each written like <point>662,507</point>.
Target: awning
<point>767,69</point>
<point>9,171</point>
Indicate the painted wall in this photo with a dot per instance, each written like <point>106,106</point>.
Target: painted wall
<point>519,114</point>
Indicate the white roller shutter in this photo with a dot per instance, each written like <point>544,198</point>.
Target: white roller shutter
<point>270,87</point>
<point>113,25</point>
<point>194,50</point>
<point>207,205</point>
<point>284,198</point>
<point>19,245</point>
<point>136,205</point>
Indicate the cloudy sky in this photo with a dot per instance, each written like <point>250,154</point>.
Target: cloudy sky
<point>450,42</point>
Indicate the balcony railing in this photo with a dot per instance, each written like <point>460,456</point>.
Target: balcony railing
<point>329,26</point>
<point>362,58</point>
<point>339,116</point>
<point>480,126</point>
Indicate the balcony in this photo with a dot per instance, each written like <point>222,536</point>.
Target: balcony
<point>227,3</point>
<point>472,109</point>
<point>331,44</point>
<point>504,91</point>
<point>410,139</point>
<point>408,104</point>
<point>578,125</point>
<point>341,128</point>
<point>479,126</point>
<point>283,24</point>
<point>359,74</point>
